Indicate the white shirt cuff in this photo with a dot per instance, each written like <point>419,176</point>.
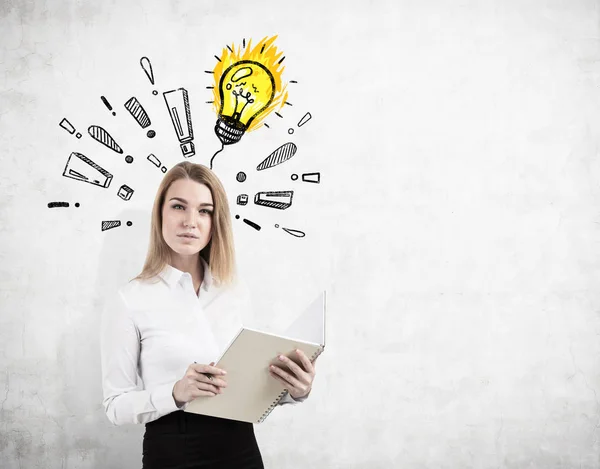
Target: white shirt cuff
<point>162,399</point>
<point>287,399</point>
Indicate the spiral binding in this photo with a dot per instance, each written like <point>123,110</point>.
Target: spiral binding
<point>282,393</point>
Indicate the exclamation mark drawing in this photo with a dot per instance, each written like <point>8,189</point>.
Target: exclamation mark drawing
<point>65,124</point>
<point>178,104</point>
<point>107,104</point>
<point>304,120</point>
<point>147,66</point>
<point>140,115</point>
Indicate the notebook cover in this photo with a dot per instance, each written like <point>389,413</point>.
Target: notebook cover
<point>251,392</point>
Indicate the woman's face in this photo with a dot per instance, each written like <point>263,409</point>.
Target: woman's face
<point>187,217</point>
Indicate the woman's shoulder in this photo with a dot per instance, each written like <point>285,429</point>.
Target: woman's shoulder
<point>138,293</point>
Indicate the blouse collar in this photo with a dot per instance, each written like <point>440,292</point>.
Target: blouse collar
<point>171,276</point>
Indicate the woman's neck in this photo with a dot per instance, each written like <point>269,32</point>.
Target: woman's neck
<point>192,265</point>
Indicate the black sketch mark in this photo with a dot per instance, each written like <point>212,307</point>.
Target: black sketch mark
<point>156,162</point>
<point>102,136</point>
<point>240,177</point>
<point>81,168</point>
<point>107,104</point>
<point>179,109</point>
<point>252,224</point>
<point>109,224</point>
<point>60,204</point>
<point>129,223</point>
<point>281,155</point>
<point>279,200</point>
<point>125,192</point>
<point>129,159</point>
<point>242,199</point>
<point>312,177</point>
<point>65,124</point>
<point>305,119</point>
<point>296,233</point>
<point>151,134</point>
<point>138,112</point>
<point>294,177</point>
<point>147,66</point>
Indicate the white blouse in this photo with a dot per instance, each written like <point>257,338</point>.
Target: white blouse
<point>154,331</point>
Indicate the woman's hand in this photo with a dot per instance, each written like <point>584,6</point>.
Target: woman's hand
<point>299,381</point>
<point>199,380</point>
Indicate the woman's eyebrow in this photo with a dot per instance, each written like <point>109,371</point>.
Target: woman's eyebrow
<point>205,204</point>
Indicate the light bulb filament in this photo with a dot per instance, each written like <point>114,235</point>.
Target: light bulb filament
<point>248,100</point>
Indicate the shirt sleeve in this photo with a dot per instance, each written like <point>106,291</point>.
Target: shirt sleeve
<point>120,352</point>
<point>287,399</point>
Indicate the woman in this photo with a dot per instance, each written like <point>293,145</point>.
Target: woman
<point>169,322</point>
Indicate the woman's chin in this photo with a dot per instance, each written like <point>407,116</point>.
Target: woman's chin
<point>186,250</point>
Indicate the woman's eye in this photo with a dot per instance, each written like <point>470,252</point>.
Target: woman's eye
<point>206,211</point>
<point>177,205</point>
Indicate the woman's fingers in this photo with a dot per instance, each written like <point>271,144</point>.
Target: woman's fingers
<point>218,382</point>
<point>208,369</point>
<point>288,377</point>
<point>207,378</point>
<point>301,374</point>
<point>308,366</point>
<point>298,378</point>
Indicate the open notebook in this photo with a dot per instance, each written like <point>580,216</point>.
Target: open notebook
<point>251,393</point>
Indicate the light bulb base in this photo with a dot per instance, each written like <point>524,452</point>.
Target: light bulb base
<point>229,131</point>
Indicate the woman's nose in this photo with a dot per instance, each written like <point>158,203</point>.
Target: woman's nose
<point>189,220</point>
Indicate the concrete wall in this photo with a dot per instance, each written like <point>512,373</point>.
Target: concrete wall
<point>456,225</point>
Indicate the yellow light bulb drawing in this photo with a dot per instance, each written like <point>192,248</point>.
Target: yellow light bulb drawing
<point>247,88</point>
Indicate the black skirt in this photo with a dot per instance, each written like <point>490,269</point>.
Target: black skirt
<point>184,440</point>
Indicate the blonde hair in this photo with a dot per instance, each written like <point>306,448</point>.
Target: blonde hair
<point>219,253</point>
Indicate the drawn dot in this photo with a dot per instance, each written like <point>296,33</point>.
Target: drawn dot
<point>78,135</point>
<point>241,176</point>
<point>290,131</point>
<point>151,134</point>
<point>155,92</point>
<point>129,223</point>
<point>228,86</point>
<point>237,217</point>
<point>276,226</point>
<point>76,204</point>
<point>294,177</point>
<point>163,169</point>
<point>114,113</point>
<point>129,159</point>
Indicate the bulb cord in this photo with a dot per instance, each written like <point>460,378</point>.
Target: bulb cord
<point>218,151</point>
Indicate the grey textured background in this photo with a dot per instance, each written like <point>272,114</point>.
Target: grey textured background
<point>456,227</point>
